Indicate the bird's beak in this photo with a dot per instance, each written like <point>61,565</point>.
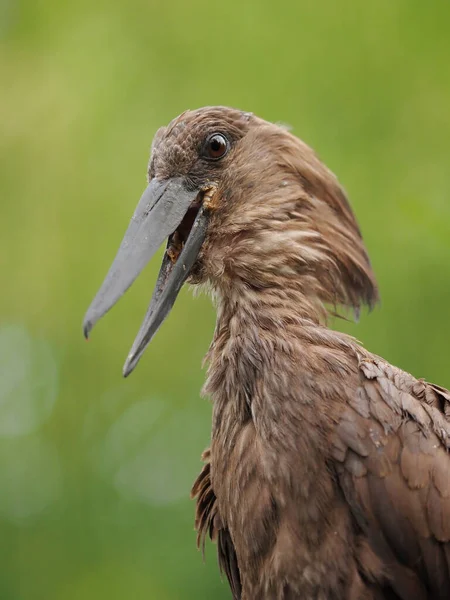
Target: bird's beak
<point>167,209</point>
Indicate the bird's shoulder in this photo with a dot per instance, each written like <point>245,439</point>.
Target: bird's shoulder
<point>389,402</point>
<point>389,449</point>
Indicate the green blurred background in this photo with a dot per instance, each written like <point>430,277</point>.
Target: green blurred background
<point>95,471</point>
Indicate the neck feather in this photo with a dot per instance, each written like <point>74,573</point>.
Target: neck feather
<point>269,333</point>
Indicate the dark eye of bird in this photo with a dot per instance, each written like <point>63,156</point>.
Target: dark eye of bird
<point>216,146</point>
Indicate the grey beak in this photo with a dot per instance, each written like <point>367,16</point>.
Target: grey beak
<point>160,211</point>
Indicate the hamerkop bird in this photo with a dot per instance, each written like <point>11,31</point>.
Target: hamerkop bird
<point>328,475</point>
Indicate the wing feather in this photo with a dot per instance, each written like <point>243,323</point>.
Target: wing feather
<point>391,450</point>
<point>208,523</point>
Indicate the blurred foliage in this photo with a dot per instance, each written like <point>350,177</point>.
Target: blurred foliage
<point>95,471</point>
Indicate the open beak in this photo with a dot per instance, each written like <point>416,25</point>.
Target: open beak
<point>166,210</point>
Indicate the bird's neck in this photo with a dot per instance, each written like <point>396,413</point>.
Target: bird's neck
<point>268,338</point>
<point>271,309</point>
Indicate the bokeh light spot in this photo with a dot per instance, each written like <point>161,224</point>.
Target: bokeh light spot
<point>30,477</point>
<point>152,452</point>
<point>28,381</point>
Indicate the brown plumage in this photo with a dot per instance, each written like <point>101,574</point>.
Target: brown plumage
<point>328,474</point>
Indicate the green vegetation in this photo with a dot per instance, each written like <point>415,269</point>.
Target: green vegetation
<point>95,471</point>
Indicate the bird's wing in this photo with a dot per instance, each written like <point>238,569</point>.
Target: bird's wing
<point>208,522</point>
<point>391,456</point>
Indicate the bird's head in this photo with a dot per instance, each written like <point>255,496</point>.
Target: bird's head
<point>245,207</point>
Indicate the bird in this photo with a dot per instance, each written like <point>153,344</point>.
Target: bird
<point>327,476</point>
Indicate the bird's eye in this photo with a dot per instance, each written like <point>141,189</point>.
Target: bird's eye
<point>216,146</point>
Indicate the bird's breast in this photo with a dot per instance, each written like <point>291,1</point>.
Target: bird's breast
<point>281,516</point>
